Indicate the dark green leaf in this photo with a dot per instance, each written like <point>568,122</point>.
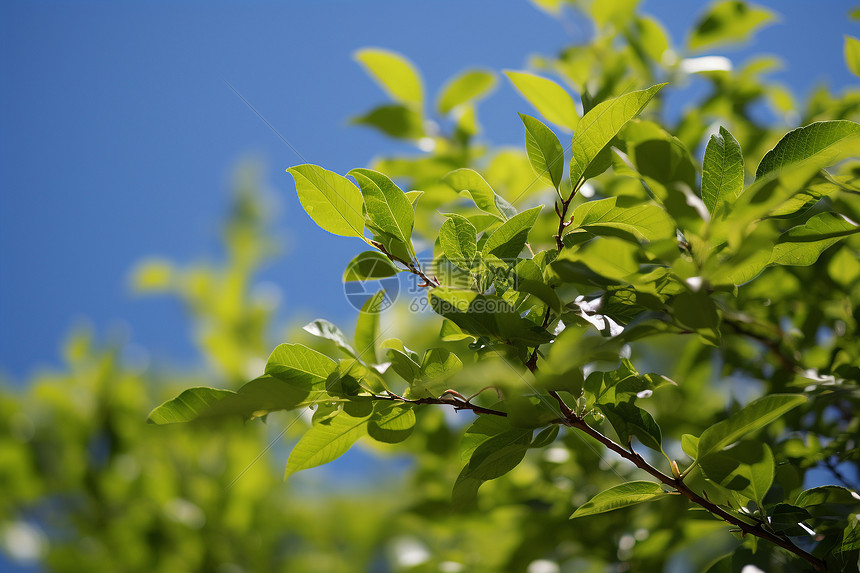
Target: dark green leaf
<point>369,265</point>
<point>747,467</point>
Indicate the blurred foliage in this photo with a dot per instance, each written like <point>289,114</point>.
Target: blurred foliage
<point>734,280</point>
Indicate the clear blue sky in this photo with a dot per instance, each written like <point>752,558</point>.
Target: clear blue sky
<point>118,135</point>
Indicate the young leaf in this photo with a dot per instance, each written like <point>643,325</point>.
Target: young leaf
<point>394,73</point>
<point>325,329</point>
<point>458,238</point>
<point>299,364</point>
<point>369,265</point>
<point>727,22</point>
<point>622,495</point>
<point>722,171</point>
<point>825,142</point>
<point>550,99</point>
<point>388,209</point>
<point>755,415</point>
<point>852,54</point>
<point>511,237</point>
<point>637,222</point>
<point>332,201</point>
<point>326,440</point>
<point>748,468</point>
<point>601,124</point>
<point>470,181</point>
<point>189,405</point>
<point>544,150</point>
<point>439,363</point>
<point>367,328</point>
<point>466,87</point>
<point>802,245</point>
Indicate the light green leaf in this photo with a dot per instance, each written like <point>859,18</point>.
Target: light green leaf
<point>624,217</point>
<point>510,238</point>
<point>601,124</point>
<point>467,86</point>
<point>189,405</point>
<point>394,73</point>
<point>852,54</point>
<point>802,245</point>
<point>325,329</point>
<point>326,440</point>
<point>299,364</point>
<point>413,196</point>
<point>722,171</point>
<point>470,182</point>
<point>827,494</point>
<point>544,150</point>
<point>391,423</point>
<point>729,21</point>
<point>550,99</point>
<point>439,362</point>
<point>458,238</point>
<point>331,200</point>
<point>369,265</point>
<point>367,328</point>
<point>747,467</point>
<point>389,211</point>
<point>755,415</point>
<point>824,142</point>
<point>622,495</point>
<point>690,445</point>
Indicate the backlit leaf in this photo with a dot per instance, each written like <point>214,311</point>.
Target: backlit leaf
<point>466,87</point>
<point>550,99</point>
<point>544,150</point>
<point>622,495</point>
<point>394,73</point>
<point>722,171</point>
<point>331,200</point>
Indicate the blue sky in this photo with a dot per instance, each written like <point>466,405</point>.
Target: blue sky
<point>119,136</point>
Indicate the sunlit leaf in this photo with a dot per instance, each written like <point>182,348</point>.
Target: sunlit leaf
<point>550,99</point>
<point>825,141</point>
<point>470,182</point>
<point>394,73</point>
<point>389,211</point>
<point>332,201</point>
<point>510,238</point>
<point>369,265</point>
<point>753,416</point>
<point>544,150</point>
<point>466,87</point>
<point>622,495</point>
<point>726,22</point>
<point>458,239</point>
<point>326,440</point>
<point>722,171</point>
<point>802,245</point>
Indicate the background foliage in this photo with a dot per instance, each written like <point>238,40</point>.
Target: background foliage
<point>634,296</point>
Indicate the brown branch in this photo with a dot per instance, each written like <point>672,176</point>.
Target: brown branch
<point>457,403</point>
<point>773,345</point>
<point>410,266</point>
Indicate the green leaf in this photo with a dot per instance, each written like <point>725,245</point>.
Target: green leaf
<point>852,54</point>
<point>827,494</point>
<point>755,415</point>
<point>825,142</point>
<point>802,245</point>
<point>189,405</point>
<point>492,459</point>
<point>544,150</point>
<point>630,420</point>
<point>601,124</point>
<point>458,238</point>
<point>470,182</point>
<point>550,99</point>
<point>391,423</point>
<point>545,437</point>
<point>622,495</point>
<point>326,440</point>
<point>690,445</point>
<point>729,21</point>
<point>722,171</point>
<point>367,328</point>
<point>389,211</point>
<point>439,363</point>
<point>403,361</point>
<point>467,86</point>
<point>747,467</point>
<point>508,241</point>
<point>299,364</point>
<point>394,120</point>
<point>624,217</point>
<point>486,315</point>
<point>369,265</point>
<point>331,200</point>
<point>325,329</point>
<point>394,73</point>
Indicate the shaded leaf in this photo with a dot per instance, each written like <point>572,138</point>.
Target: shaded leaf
<point>369,265</point>
<point>747,467</point>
